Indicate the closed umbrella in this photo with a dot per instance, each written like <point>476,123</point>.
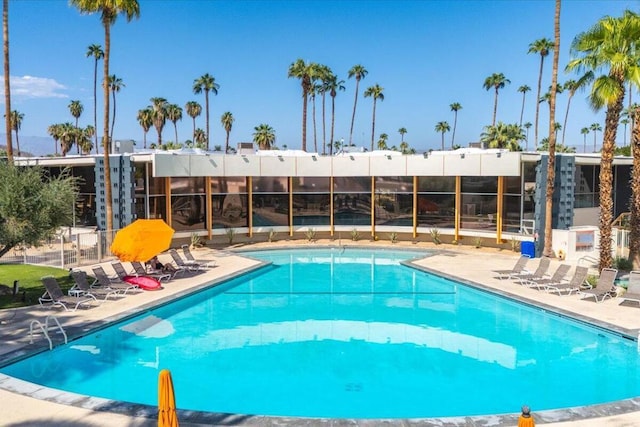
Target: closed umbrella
<point>142,240</point>
<point>167,416</point>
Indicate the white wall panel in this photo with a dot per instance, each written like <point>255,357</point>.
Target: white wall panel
<point>277,166</point>
<point>313,166</point>
<point>462,165</point>
<point>242,166</point>
<point>346,165</point>
<point>388,165</point>
<point>170,165</point>
<point>425,166</point>
<point>508,164</point>
<point>207,165</point>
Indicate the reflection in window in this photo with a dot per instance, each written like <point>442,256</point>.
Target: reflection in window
<point>157,207</point>
<point>352,208</point>
<point>394,209</point>
<point>229,210</point>
<point>478,211</point>
<point>587,186</point>
<point>436,210</point>
<point>311,185</point>
<point>311,209</point>
<point>187,212</point>
<point>270,210</point>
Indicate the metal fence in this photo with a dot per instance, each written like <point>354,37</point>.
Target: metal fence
<point>67,249</point>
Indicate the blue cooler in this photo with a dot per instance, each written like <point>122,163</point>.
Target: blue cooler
<point>528,249</point>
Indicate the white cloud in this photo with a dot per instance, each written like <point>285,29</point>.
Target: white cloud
<point>29,87</point>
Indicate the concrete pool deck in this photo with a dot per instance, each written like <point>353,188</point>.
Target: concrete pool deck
<point>24,404</point>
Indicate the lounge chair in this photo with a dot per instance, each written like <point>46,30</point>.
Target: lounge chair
<point>605,286</point>
<point>190,258</point>
<point>557,277</point>
<point>539,274</point>
<point>518,268</point>
<point>574,285</point>
<point>55,295</point>
<point>185,265</point>
<point>140,270</point>
<point>82,287</point>
<point>102,279</point>
<point>633,288</point>
<point>120,271</point>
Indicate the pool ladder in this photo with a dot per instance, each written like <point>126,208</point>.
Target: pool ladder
<point>46,329</point>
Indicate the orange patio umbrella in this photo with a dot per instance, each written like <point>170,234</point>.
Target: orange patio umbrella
<point>167,416</point>
<point>142,240</point>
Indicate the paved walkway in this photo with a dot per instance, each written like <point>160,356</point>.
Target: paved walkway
<point>468,264</point>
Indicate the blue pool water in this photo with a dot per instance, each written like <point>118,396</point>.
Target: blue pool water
<point>331,333</point>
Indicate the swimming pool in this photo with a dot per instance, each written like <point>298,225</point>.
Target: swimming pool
<point>309,338</point>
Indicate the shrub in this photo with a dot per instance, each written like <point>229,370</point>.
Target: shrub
<point>196,241</point>
<point>393,237</point>
<point>477,242</point>
<point>515,245</point>
<point>272,235</point>
<point>231,233</point>
<point>622,263</point>
<point>435,236</point>
<point>355,235</point>
<point>311,234</point>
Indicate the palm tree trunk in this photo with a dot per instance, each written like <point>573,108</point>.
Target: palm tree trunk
<point>304,120</point>
<point>175,127</point>
<point>75,138</point>
<point>17,142</point>
<point>105,136</point>
<point>535,133</point>
<point>333,117</point>
<point>324,128</point>
<point>566,117</point>
<point>95,102</point>
<point>113,119</point>
<point>495,108</point>
<point>442,142</point>
<point>226,144</point>
<point>7,86</point>
<point>551,166</point>
<point>193,137</point>
<point>634,204</point>
<point>606,180</point>
<point>315,136</point>
<point>524,94</point>
<point>373,124</point>
<point>353,115</point>
<point>453,135</point>
<point>144,139</point>
<point>206,101</point>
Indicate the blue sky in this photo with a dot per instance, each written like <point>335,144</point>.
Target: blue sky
<point>425,54</point>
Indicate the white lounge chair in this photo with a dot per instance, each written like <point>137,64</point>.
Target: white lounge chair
<point>190,258</point>
<point>518,268</point>
<point>557,277</point>
<point>633,288</point>
<point>55,295</point>
<point>539,274</point>
<point>605,286</point>
<point>82,287</point>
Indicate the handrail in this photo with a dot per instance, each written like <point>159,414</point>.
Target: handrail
<point>623,220</point>
<point>46,328</point>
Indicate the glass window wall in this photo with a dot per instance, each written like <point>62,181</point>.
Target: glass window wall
<point>479,202</point>
<point>187,204</point>
<point>394,201</point>
<point>311,201</point>
<point>352,201</point>
<point>270,202</point>
<point>229,202</point>
<point>436,202</point>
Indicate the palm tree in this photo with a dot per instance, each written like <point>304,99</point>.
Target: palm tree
<point>402,132</point>
<point>109,10</point>
<point>585,132</point>
<point>624,122</point>
<point>55,132</point>
<point>595,127</point>
<point>455,107</point>
<point>325,76</point>
<point>145,118</point>
<point>193,110</point>
<point>303,71</point>
<point>68,134</point>
<point>376,92</point>
<point>7,86</point>
<point>76,108</point>
<point>159,115</point>
<point>572,86</point>
<point>442,127</point>
<point>523,89</point>
<point>206,83</point>
<point>542,47</point>
<point>227,123</point>
<point>382,142</point>
<point>634,183</point>
<point>358,72</point>
<point>199,138</point>
<point>95,51</point>
<point>315,89</point>
<point>264,136</point>
<point>333,86</point>
<point>503,136</point>
<point>115,84</point>
<point>611,44</point>
<point>496,81</point>
<point>174,113</point>
<point>16,123</point>
<point>527,126</point>
<point>553,128</point>
<point>86,145</point>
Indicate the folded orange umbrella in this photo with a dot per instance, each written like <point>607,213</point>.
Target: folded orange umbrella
<point>167,416</point>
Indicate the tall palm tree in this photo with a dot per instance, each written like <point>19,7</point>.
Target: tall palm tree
<point>376,92</point>
<point>325,75</point>
<point>108,10</point>
<point>264,136</point>
<point>553,127</point>
<point>503,136</point>
<point>611,44</point>
<point>624,122</point>
<point>495,81</point>
<point>455,107</point>
<point>55,132</point>
<point>76,108</point>
<point>542,47</point>
<point>68,135</point>
<point>16,123</point>
<point>333,86</point>
<point>145,119</point>
<point>382,141</point>
<point>303,71</point>
<point>174,114</point>
<point>442,127</point>
<point>585,131</point>
<point>315,89</point>
<point>159,115</point>
<point>523,89</point>
<point>571,86</point>
<point>527,126</point>
<point>358,72</point>
<point>227,123</point>
<point>595,127</point>
<point>115,84</point>
<point>86,144</point>
<point>95,51</point>
<point>7,86</point>
<point>634,183</point>
<point>206,83</point>
<point>402,132</point>
<point>193,110</point>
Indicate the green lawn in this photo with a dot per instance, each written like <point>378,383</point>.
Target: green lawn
<point>30,285</point>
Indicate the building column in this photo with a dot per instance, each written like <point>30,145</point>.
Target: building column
<point>208,209</point>
<point>250,203</point>
<point>458,204</point>
<point>167,190</point>
<point>290,180</point>
<point>415,207</point>
<point>373,207</point>
<point>331,223</point>
<point>499,208</point>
